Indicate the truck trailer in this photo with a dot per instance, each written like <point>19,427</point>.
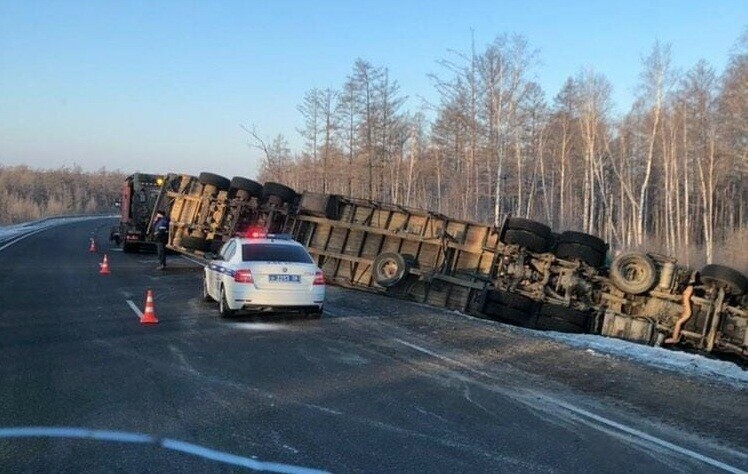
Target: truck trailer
<point>521,272</point>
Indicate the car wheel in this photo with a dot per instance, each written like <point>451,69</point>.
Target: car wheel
<point>206,295</point>
<point>315,314</point>
<point>223,306</point>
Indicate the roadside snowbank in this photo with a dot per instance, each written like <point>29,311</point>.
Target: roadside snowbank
<point>681,362</point>
<point>8,232</point>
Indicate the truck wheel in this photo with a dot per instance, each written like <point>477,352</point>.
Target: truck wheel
<point>504,313</point>
<point>192,243</point>
<point>279,191</point>
<point>389,269</point>
<point>731,280</point>
<point>512,300</point>
<point>214,245</point>
<point>128,247</point>
<point>210,179</point>
<point>223,307</point>
<point>532,235</point>
<point>633,272</point>
<point>580,246</point>
<point>560,318</point>
<point>320,205</point>
<point>252,188</point>
<point>546,323</point>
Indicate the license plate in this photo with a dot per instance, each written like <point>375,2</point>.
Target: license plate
<point>285,278</point>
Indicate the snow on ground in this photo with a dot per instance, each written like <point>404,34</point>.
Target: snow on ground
<point>681,362</point>
<point>676,361</point>
<point>11,231</point>
<point>693,365</point>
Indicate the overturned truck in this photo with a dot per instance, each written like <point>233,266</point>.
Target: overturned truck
<point>521,273</point>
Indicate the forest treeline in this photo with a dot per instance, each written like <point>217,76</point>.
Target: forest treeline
<point>27,194</point>
<point>667,175</point>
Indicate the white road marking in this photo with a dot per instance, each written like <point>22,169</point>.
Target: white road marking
<point>646,437</point>
<point>83,433</point>
<point>259,327</point>
<point>135,308</point>
<point>166,443</point>
<point>597,418</point>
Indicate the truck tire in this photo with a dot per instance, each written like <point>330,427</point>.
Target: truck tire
<point>389,269</point>
<point>279,191</point>
<point>511,300</point>
<point>210,179</point>
<point>731,280</point>
<point>533,235</point>
<point>633,272</point>
<point>128,247</point>
<point>588,240</point>
<point>561,318</point>
<point>320,205</point>
<point>252,188</point>
<point>546,323</point>
<point>506,314</point>
<point>213,245</point>
<point>579,246</point>
<point>193,243</point>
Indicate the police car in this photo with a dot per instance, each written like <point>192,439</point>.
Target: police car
<point>258,272</point>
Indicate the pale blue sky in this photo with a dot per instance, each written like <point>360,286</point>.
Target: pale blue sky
<point>162,86</point>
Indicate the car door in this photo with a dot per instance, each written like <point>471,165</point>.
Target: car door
<point>222,266</point>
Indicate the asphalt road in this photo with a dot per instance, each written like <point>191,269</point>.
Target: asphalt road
<point>376,385</point>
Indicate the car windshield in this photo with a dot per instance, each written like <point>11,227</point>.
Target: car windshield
<point>274,253</point>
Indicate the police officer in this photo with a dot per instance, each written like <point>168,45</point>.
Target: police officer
<point>161,236</point>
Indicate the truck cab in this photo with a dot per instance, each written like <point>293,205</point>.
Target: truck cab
<point>138,203</point>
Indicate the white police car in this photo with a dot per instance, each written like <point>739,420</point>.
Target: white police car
<point>264,272</point>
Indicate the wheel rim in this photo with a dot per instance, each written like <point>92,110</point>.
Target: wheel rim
<point>389,269</point>
<point>634,272</point>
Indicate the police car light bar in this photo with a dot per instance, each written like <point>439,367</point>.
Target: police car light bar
<point>260,233</point>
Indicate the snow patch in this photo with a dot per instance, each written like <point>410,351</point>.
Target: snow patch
<point>681,362</point>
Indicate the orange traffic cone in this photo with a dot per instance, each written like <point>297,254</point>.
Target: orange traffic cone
<point>92,245</point>
<point>149,315</point>
<point>104,266</point>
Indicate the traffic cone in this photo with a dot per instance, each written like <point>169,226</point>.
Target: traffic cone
<point>92,245</point>
<point>149,314</point>
<point>104,266</point>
